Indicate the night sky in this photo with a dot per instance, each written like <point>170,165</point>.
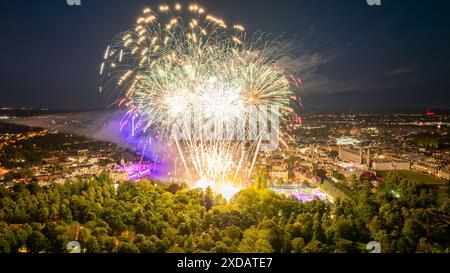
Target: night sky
<point>391,56</point>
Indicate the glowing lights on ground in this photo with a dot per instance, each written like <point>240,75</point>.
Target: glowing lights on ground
<point>302,194</point>
<point>227,190</point>
<point>138,171</point>
<point>396,194</point>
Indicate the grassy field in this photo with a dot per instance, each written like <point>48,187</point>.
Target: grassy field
<point>417,177</point>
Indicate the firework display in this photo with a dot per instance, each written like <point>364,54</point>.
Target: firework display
<point>209,88</point>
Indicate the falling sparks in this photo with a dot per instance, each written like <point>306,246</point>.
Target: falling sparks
<point>192,69</point>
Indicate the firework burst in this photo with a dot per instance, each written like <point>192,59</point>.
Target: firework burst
<point>189,77</point>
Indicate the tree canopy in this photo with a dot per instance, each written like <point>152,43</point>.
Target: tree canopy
<point>147,217</point>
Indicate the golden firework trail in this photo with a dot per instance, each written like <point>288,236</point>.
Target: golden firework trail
<point>182,69</point>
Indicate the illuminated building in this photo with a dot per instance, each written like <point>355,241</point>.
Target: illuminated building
<point>391,165</point>
<point>119,176</point>
<point>284,175</point>
<point>349,156</point>
<point>138,170</point>
<point>345,141</point>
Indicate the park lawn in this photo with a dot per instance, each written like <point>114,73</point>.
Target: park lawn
<point>418,177</point>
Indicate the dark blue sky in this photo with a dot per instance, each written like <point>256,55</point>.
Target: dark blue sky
<point>391,56</point>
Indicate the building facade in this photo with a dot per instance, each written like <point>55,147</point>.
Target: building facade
<point>391,165</point>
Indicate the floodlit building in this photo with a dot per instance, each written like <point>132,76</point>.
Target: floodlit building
<point>279,175</point>
<point>353,152</point>
<point>349,156</point>
<point>347,141</point>
<point>391,165</point>
<point>118,176</point>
